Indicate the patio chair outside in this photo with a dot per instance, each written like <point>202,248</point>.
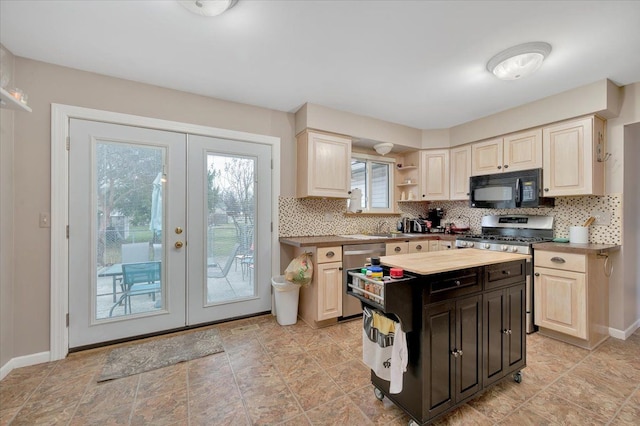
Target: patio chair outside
<point>137,279</point>
<point>227,266</point>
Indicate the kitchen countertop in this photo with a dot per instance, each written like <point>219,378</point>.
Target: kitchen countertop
<point>448,260</point>
<point>332,240</point>
<point>576,248</point>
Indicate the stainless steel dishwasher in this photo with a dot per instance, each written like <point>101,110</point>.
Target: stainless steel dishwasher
<point>355,256</point>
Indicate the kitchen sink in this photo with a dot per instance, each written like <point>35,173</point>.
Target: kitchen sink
<point>376,236</point>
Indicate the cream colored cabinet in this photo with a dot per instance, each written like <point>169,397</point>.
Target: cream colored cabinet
<point>517,151</point>
<point>323,165</point>
<point>321,301</point>
<point>573,154</point>
<point>460,172</point>
<point>571,297</point>
<point>434,245</point>
<point>446,245</point>
<point>420,246</point>
<point>434,174</point>
<point>400,247</point>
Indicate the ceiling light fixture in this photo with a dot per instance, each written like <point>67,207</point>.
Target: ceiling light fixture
<point>383,148</point>
<point>519,61</point>
<point>208,7</point>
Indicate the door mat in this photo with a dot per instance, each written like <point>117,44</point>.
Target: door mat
<point>138,358</point>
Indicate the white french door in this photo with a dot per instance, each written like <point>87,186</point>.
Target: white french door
<point>166,230</point>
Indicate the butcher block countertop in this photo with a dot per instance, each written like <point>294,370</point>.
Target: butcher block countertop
<point>448,260</point>
<point>577,248</point>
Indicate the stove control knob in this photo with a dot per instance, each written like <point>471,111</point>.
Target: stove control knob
<point>504,248</point>
<point>514,249</point>
<point>486,245</point>
<point>470,244</point>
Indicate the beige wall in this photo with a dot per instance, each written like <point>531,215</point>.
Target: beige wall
<point>6,223</point>
<point>601,97</point>
<point>46,84</point>
<point>631,223</point>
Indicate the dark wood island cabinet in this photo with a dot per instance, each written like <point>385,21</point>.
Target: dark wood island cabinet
<point>465,327</point>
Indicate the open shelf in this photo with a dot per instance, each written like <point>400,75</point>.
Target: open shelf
<point>9,102</point>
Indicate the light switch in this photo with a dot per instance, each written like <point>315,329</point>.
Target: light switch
<point>44,220</point>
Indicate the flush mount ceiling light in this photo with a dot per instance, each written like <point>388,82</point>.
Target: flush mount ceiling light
<point>383,148</point>
<point>208,7</point>
<point>519,61</point>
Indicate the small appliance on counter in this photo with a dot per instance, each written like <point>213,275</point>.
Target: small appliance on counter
<point>435,217</point>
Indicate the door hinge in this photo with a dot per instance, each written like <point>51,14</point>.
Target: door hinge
<point>272,164</point>
<point>68,144</point>
<point>67,231</point>
<point>271,226</point>
<point>67,319</point>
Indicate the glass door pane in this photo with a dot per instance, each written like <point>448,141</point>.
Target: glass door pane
<point>230,224</point>
<point>128,189</point>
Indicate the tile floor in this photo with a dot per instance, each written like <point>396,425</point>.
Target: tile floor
<point>294,375</point>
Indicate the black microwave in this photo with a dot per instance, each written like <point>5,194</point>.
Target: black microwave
<point>509,190</point>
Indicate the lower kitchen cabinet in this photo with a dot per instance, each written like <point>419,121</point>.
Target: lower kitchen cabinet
<point>329,290</point>
<point>571,296</point>
<point>504,332</point>
<point>452,345</point>
<point>320,302</point>
<point>400,247</point>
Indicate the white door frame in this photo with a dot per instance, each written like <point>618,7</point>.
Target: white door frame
<point>60,116</point>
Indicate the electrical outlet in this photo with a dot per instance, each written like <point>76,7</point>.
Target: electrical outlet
<point>602,218</point>
<point>44,220</point>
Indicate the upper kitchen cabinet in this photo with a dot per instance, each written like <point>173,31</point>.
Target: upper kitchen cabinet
<point>517,151</point>
<point>434,174</point>
<point>323,166</point>
<point>573,163</point>
<point>460,172</point>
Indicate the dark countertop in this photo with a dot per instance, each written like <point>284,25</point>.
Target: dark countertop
<point>577,248</point>
<point>333,240</point>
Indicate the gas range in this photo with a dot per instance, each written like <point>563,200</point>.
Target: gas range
<point>514,234</point>
<point>509,233</point>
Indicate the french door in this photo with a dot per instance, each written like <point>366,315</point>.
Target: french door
<point>165,230</point>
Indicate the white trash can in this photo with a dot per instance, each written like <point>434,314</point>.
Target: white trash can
<point>286,300</point>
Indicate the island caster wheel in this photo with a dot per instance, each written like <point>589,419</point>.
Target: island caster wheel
<point>413,423</point>
<point>517,377</point>
<point>378,393</point>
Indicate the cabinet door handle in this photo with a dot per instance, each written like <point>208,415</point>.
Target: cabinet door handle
<point>506,272</point>
<point>537,274</point>
<point>499,167</point>
<point>506,331</point>
<point>457,282</point>
<point>330,254</point>
<point>546,190</point>
<point>456,353</point>
<point>419,247</point>
<point>397,249</point>
<point>506,166</point>
<point>557,259</point>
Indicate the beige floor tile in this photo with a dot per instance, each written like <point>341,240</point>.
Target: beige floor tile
<point>209,367</point>
<point>328,355</point>
<point>494,404</point>
<point>7,414</point>
<point>351,375</point>
<point>524,416</point>
<point>172,379</point>
<point>164,409</point>
<point>315,390</point>
<point>629,415</point>
<point>339,412</point>
<point>562,411</point>
<point>464,415</point>
<point>255,380</point>
<point>297,366</point>
<point>273,405</point>
<point>379,412</point>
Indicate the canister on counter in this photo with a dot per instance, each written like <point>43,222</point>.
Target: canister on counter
<point>396,273</point>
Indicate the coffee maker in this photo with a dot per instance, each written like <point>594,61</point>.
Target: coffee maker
<point>435,217</point>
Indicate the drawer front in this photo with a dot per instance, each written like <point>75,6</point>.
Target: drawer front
<point>454,284</point>
<point>418,246</point>
<point>397,248</point>
<point>329,254</point>
<point>504,274</point>
<point>563,261</point>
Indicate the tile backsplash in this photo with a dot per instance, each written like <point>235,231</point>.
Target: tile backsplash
<point>308,217</point>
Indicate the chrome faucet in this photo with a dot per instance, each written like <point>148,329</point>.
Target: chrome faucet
<point>381,224</point>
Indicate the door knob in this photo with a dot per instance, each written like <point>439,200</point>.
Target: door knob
<point>178,230</point>
<point>179,244</point>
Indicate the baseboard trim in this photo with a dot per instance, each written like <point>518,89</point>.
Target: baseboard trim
<point>624,334</point>
<point>24,361</point>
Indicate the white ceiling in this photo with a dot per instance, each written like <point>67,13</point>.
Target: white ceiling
<point>418,63</point>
